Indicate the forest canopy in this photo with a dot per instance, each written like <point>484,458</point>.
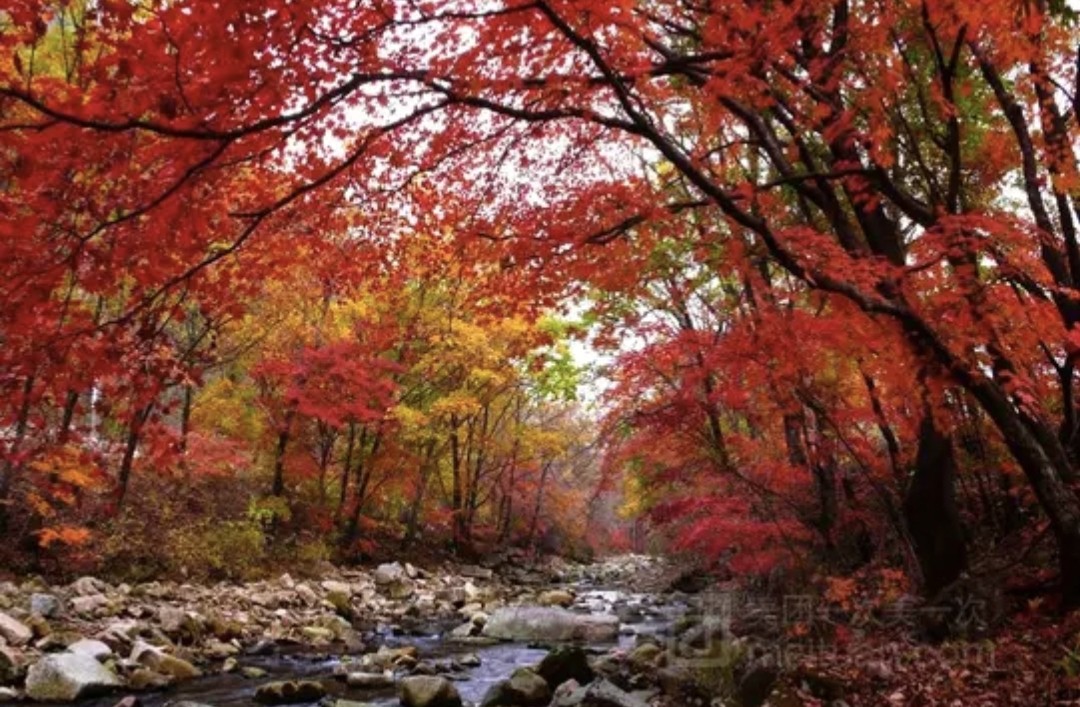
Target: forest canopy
<point>315,271</point>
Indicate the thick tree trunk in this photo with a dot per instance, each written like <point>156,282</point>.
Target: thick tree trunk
<point>1041,468</point>
<point>930,511</point>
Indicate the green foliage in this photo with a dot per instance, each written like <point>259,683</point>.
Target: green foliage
<point>268,511</point>
<point>234,550</point>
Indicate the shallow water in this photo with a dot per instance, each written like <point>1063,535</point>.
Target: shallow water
<point>497,661</point>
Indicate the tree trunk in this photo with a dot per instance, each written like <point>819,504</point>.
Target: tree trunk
<point>930,511</point>
<point>131,446</point>
<point>278,488</point>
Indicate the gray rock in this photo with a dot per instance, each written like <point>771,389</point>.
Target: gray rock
<point>428,691</point>
<point>66,677</point>
<point>87,604</point>
<point>597,694</point>
<point>392,580</point>
<point>8,694</point>
<point>47,605</point>
<point>87,586</point>
<point>289,692</point>
<point>545,623</point>
<point>97,650</point>
<point>15,632</point>
<point>524,688</point>
<point>475,572</point>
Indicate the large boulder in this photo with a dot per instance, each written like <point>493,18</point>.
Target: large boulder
<point>550,624</point>
<point>15,632</point>
<point>65,677</point>
<point>428,691</point>
<point>524,688</point>
<point>565,663</point>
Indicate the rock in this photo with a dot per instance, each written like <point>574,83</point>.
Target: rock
<point>452,595</point>
<point>524,688</point>
<point>369,681</point>
<point>66,677</point>
<point>475,572</point>
<point>85,605</point>
<point>252,672</point>
<point>230,665</point>
<point>8,694</point>
<point>219,649</point>
<point>644,657</point>
<point>289,692</point>
<point>317,634</point>
<point>565,663</point>
<point>87,586</point>
<point>179,624</point>
<point>157,660</point>
<point>97,650</point>
<point>392,580</point>
<point>47,605</point>
<point>428,691</point>
<point>144,679</point>
<point>556,597</point>
<point>306,594</point>
<point>600,693</point>
<point>15,632</point>
<point>341,601</point>
<point>11,665</point>
<point>332,586</point>
<point>544,623</point>
<point>469,660</point>
<point>129,701</point>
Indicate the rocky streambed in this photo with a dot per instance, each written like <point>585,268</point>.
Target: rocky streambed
<point>558,634</point>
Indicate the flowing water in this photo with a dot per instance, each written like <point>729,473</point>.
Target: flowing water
<point>642,614</point>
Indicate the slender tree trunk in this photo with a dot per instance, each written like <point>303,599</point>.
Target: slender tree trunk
<point>130,448</point>
<point>413,522</point>
<point>531,537</point>
<point>278,488</point>
<point>71,402</point>
<point>457,499</point>
<point>364,471</point>
<point>346,467</point>
<point>185,423</point>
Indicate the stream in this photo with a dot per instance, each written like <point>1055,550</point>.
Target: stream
<point>640,614</point>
